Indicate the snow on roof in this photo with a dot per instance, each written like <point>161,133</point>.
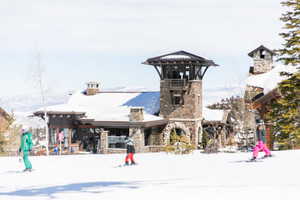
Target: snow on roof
<point>111,106</point>
<point>115,106</point>
<point>212,115</point>
<point>269,80</point>
<point>176,57</point>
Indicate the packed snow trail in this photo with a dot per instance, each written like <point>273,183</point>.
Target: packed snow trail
<point>158,175</point>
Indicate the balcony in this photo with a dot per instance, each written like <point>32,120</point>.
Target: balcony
<point>175,83</point>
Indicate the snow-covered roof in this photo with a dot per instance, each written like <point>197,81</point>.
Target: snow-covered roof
<point>176,57</point>
<point>115,106</point>
<point>212,115</point>
<point>111,106</point>
<point>269,80</point>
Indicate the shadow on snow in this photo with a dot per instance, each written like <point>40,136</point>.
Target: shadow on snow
<point>89,187</point>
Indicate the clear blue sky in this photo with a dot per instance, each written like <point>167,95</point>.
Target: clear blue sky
<point>107,40</point>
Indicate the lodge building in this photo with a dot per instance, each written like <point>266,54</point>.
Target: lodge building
<point>98,121</point>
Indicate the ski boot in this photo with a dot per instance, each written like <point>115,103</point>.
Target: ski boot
<point>133,163</point>
<point>267,156</point>
<point>253,159</point>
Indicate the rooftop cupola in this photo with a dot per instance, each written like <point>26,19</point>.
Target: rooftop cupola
<point>262,60</point>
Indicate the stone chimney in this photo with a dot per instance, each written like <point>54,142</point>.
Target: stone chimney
<point>92,88</point>
<point>136,114</point>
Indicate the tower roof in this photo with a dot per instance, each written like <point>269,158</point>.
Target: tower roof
<point>261,47</point>
<point>179,57</point>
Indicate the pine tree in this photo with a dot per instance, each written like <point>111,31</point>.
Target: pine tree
<point>285,111</point>
<point>290,53</point>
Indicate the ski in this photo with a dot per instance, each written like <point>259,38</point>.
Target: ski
<point>124,165</point>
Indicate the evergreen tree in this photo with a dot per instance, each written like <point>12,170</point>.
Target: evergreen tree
<point>290,53</point>
<point>285,111</point>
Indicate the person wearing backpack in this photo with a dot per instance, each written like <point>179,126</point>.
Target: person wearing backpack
<point>26,147</point>
<point>130,151</point>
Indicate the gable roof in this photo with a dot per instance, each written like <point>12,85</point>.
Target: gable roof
<point>251,54</point>
<point>181,56</point>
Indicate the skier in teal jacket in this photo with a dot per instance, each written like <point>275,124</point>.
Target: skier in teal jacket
<point>26,147</point>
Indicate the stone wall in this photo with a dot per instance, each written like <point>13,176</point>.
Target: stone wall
<point>103,142</point>
<point>136,114</point>
<point>190,128</point>
<point>192,105</point>
<point>137,135</point>
<point>262,65</point>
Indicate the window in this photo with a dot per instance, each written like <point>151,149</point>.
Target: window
<point>116,137</point>
<point>262,53</point>
<point>177,99</point>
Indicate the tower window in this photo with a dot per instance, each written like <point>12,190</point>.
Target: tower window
<point>262,53</point>
<point>251,70</point>
<point>177,99</point>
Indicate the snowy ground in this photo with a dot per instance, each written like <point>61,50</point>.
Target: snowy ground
<point>197,176</point>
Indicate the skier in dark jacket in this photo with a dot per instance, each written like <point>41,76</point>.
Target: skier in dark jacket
<point>130,151</point>
<point>261,141</point>
<point>26,147</point>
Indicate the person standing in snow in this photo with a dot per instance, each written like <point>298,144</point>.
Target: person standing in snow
<point>261,141</point>
<point>26,147</point>
<point>130,151</point>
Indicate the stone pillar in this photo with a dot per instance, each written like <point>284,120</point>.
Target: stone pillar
<point>103,142</point>
<point>137,135</point>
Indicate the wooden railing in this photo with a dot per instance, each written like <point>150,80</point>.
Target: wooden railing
<point>175,83</point>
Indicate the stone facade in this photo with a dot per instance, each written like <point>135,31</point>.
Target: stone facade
<point>137,135</point>
<point>190,108</point>
<point>188,115</point>
<point>103,142</point>
<point>136,114</point>
<point>262,60</point>
<point>262,63</point>
<point>92,88</point>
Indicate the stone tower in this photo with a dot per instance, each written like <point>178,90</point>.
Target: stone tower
<point>262,60</point>
<point>262,63</point>
<point>181,75</point>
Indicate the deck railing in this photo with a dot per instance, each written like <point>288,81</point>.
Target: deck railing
<point>175,83</point>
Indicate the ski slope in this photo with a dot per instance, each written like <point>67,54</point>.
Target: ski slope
<point>157,176</point>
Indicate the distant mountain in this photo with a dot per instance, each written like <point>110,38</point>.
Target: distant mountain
<point>29,103</point>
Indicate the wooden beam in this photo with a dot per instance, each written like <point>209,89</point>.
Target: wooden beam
<point>202,74</point>
<point>159,73</point>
